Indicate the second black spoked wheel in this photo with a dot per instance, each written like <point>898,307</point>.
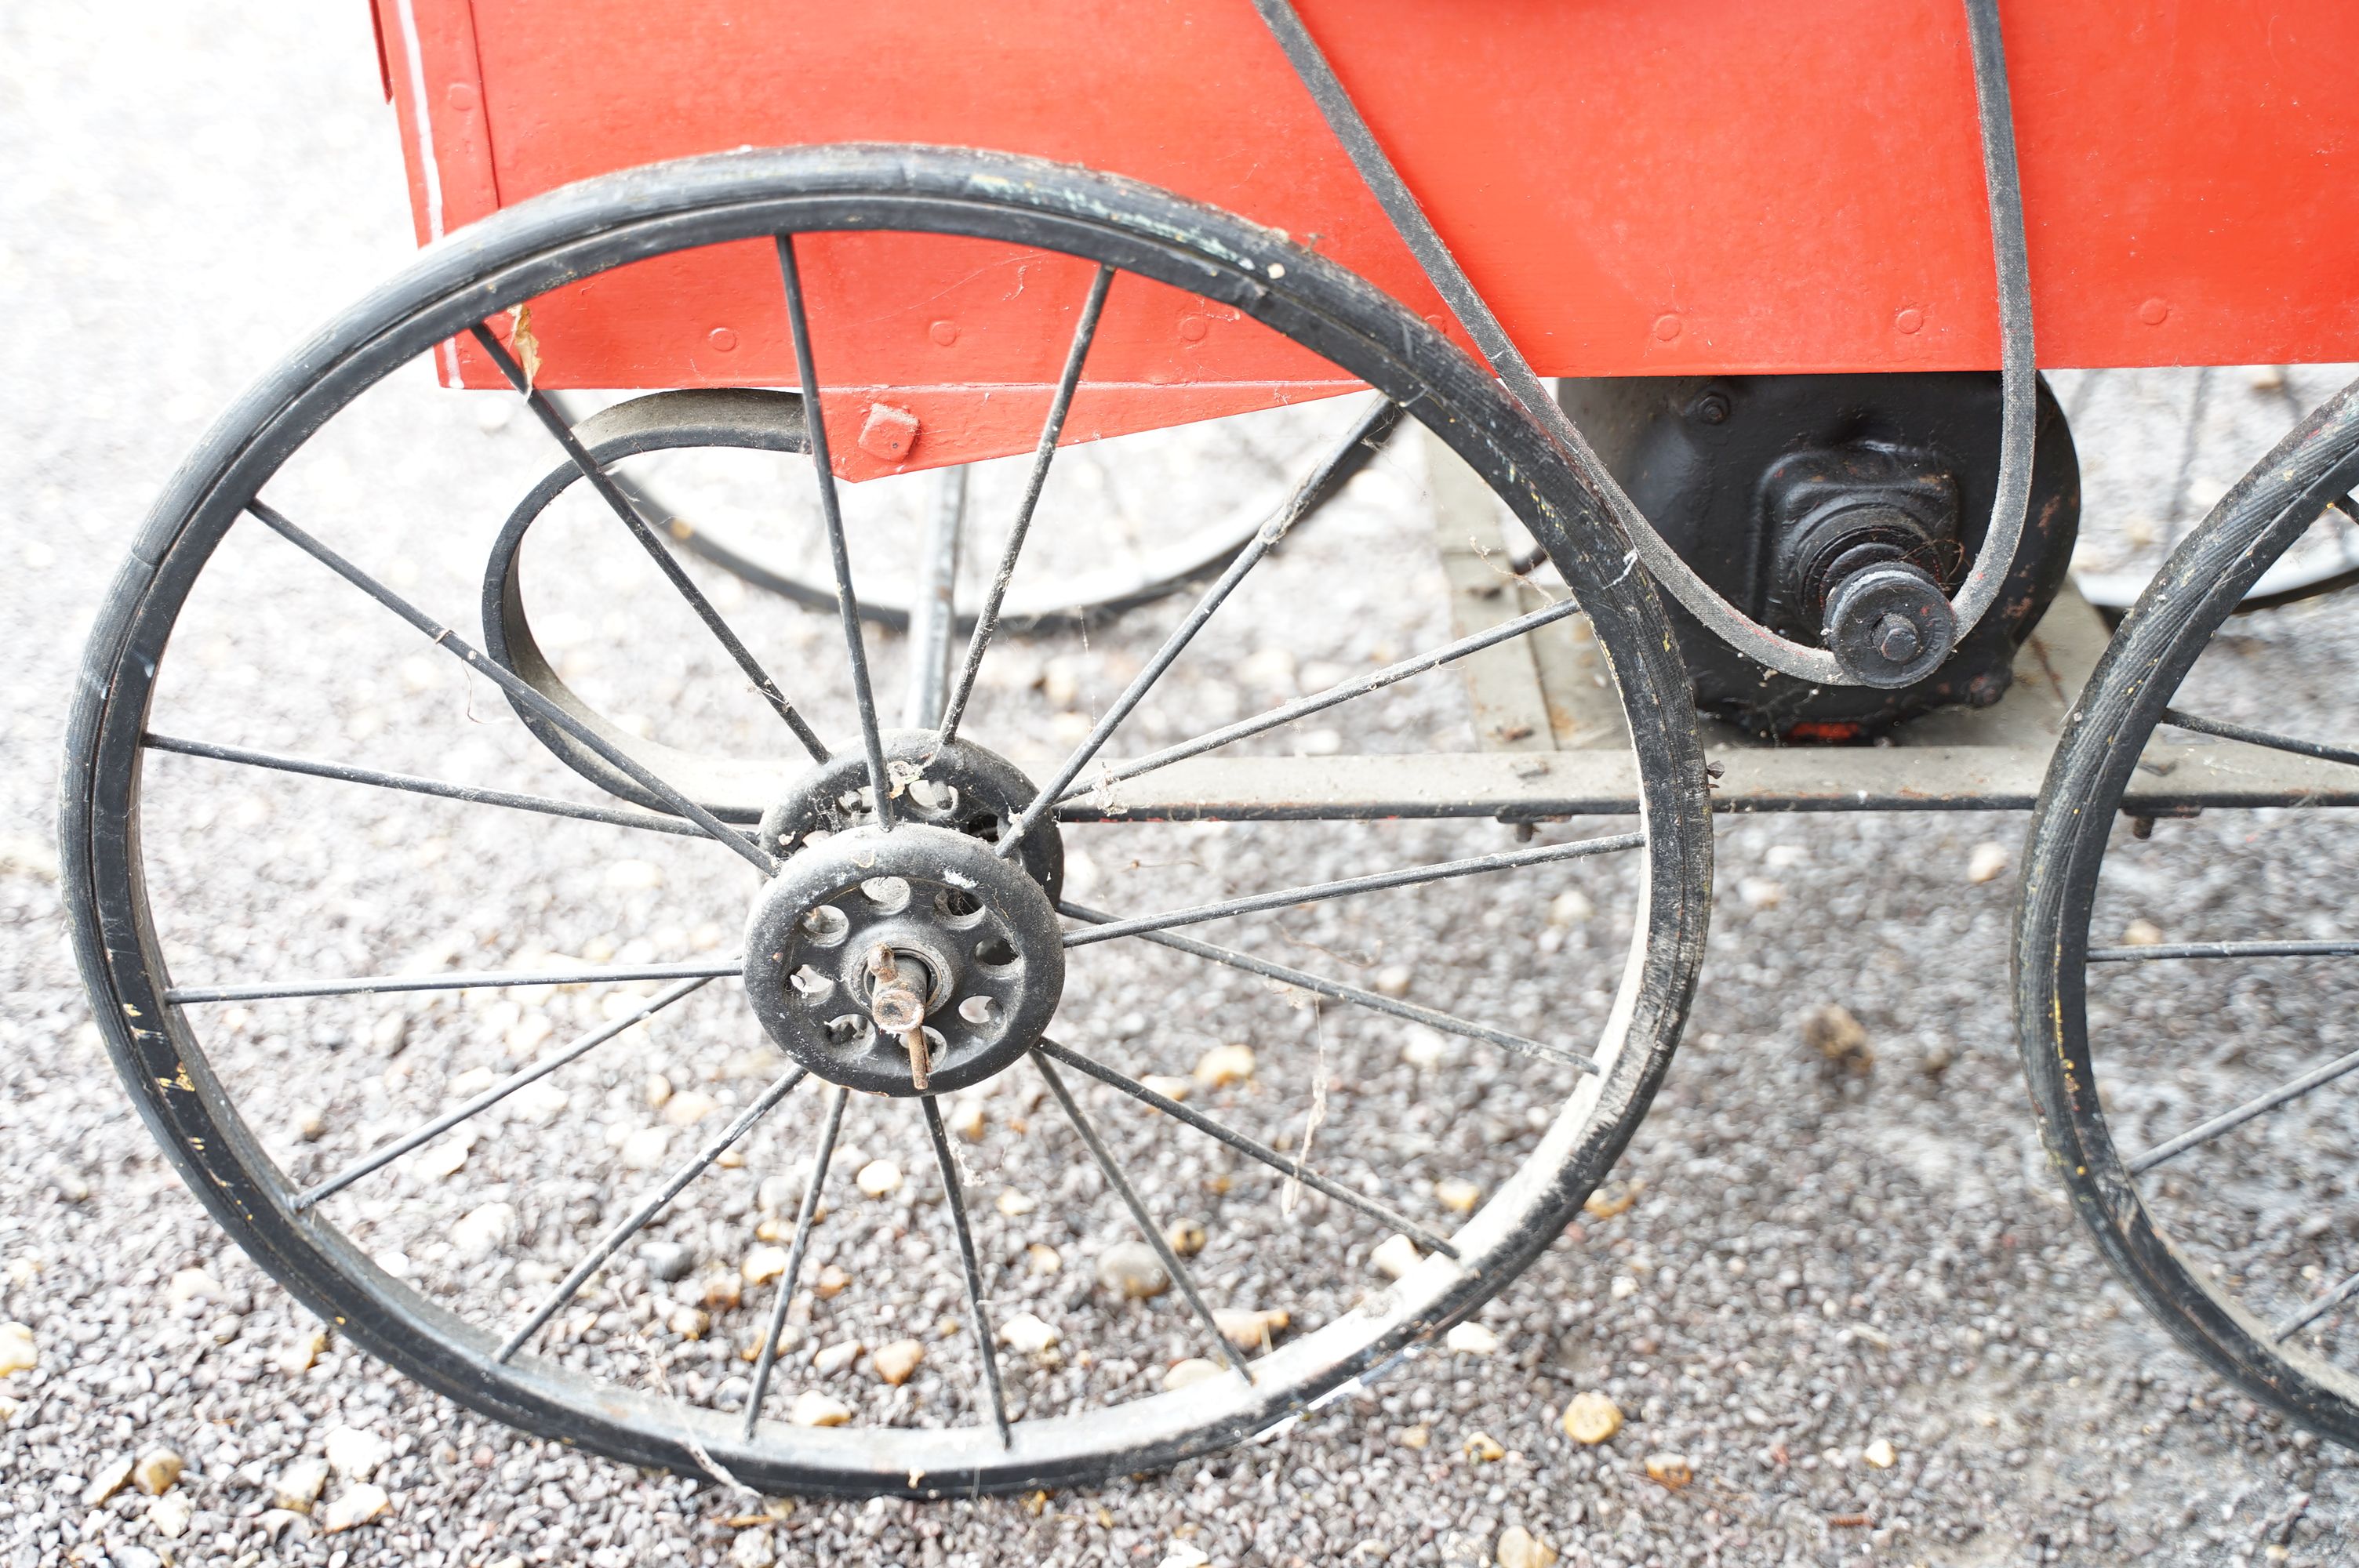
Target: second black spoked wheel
<point>550,1101</point>
<point>2185,943</point>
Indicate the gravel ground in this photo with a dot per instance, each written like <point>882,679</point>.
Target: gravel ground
<point>1848,1296</point>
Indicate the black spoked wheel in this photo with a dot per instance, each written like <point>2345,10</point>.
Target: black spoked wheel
<point>2184,943</point>
<point>546,1094</point>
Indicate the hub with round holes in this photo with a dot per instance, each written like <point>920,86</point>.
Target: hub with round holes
<point>869,937</point>
<point>954,784</point>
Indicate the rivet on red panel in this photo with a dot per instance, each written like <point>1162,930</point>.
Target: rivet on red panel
<point>1194,327</point>
<point>944,332</point>
<point>1909,322</point>
<point>462,96</point>
<point>2155,312</point>
<point>889,433</point>
<point>1666,327</point>
<point>722,339</point>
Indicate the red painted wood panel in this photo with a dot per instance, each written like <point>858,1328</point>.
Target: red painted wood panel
<point>1638,186</point>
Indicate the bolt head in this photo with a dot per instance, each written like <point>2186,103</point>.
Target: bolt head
<point>1896,640</point>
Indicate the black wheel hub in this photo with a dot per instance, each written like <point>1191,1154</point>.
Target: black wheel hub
<point>903,962</point>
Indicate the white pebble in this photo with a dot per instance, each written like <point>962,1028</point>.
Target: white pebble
<point>812,1407</point>
<point>878,1177</point>
<point>645,1150</point>
<point>1224,1065</point>
<point>1195,1369</point>
<point>764,1264</point>
<point>1986,862</point>
<point>17,1352</point>
<point>833,1358</point>
<point>1394,1257</point>
<point>1132,1271</point>
<point>1472,1338</point>
<point>485,1230</point>
<point>356,1507</point>
<point>300,1485</point>
<point>1026,1332</point>
<point>354,1453</point>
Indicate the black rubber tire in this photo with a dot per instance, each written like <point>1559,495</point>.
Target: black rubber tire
<point>581,230</point>
<point>2199,589</point>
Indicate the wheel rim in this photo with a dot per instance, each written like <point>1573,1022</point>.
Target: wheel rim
<point>508,261</point>
<point>2166,1221</point>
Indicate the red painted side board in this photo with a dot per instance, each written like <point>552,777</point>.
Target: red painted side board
<point>1637,186</point>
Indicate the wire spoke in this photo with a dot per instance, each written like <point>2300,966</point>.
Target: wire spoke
<point>1172,1267</point>
<point>457,979</point>
<point>510,683</point>
<point>2227,732</point>
<point>2229,1121</point>
<point>2337,949</point>
<point>471,794</point>
<point>1247,1147</point>
<point>933,604</point>
<point>1338,991</point>
<point>804,1219</point>
<point>831,507</point>
<point>653,1204</point>
<point>1319,701</point>
<point>2315,1310</point>
<point>625,508</point>
<point>1377,882</point>
<point>380,1158</point>
<point>1373,427</point>
<point>973,1270</point>
<point>986,622</point>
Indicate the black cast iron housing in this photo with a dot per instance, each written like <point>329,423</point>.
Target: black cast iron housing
<point>1779,488</point>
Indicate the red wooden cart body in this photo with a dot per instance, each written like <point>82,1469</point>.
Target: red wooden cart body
<point>1640,187</point>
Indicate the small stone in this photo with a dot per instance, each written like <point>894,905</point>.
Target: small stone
<point>1569,907</point>
<point>1481,1448</point>
<point>897,1363</point>
<point>192,1285</point>
<point>1177,1553</point>
<point>1194,1370</point>
<point>1591,1418</point>
<point>483,1230</point>
<point>1224,1065</point>
<point>355,1506</point>
<point>812,1407</point>
<point>390,1033</point>
<point>466,1085</point>
<point>1986,862</point>
<point>1026,1332</point>
<point>833,1280</point>
<point>1185,1236</point>
<point>878,1177</point>
<point>1169,1087</point>
<point>658,1091</point>
<point>762,1265</point>
<point>1880,1454</point>
<point>2267,378</point>
<point>1424,1049</point>
<point>1608,1201</point>
<point>297,1356</point>
<point>108,1479</point>
<point>779,1194</point>
<point>1132,1271</point>
<point>967,1119</point>
<point>1458,1194</point>
<point>688,1322</point>
<point>17,1352</point>
<point>1471,1339</point>
<point>441,1162</point>
<point>354,1453</point>
<point>668,1260</point>
<point>1043,1258</point>
<point>1669,1471</point>
<point>645,1150</point>
<point>723,1292</point>
<point>1416,1436</point>
<point>310,1126</point>
<point>1250,1330</point>
<point>169,1515</point>
<point>688,1108</point>
<point>753,1549</point>
<point>1838,1038</point>
<point>156,1471</point>
<point>1760,893</point>
<point>1394,1257</point>
<point>634,876</point>
<point>300,1485</point>
<point>833,1358</point>
<point>1393,980</point>
<point>2141,934</point>
<point>1519,1548</point>
<point>1013,1205</point>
